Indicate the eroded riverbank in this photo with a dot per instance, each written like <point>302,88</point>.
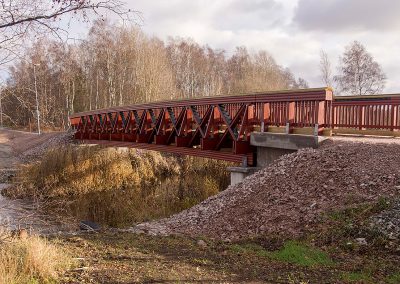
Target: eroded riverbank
<point>18,213</point>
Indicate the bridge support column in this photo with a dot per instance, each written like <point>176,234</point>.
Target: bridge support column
<point>238,174</point>
<point>271,146</point>
<point>266,155</point>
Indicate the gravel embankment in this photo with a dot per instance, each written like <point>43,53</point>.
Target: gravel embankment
<point>19,146</point>
<point>290,195</point>
<point>388,221</point>
<point>42,144</point>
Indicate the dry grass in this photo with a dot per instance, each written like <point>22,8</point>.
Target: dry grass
<point>78,170</point>
<point>119,186</point>
<point>30,260</point>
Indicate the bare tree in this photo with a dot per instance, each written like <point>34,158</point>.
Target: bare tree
<point>359,73</point>
<point>326,69</point>
<point>302,83</point>
<point>20,19</point>
<point>118,65</point>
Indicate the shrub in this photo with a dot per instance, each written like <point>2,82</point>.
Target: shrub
<point>30,260</point>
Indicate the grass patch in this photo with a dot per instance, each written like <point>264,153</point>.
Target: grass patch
<point>356,277</point>
<point>300,254</point>
<point>292,252</point>
<point>393,279</point>
<point>250,248</point>
<point>31,260</point>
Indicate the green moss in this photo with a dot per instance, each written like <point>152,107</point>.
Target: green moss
<point>393,279</point>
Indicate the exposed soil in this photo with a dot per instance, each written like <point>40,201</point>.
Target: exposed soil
<point>293,194</point>
<point>129,258</point>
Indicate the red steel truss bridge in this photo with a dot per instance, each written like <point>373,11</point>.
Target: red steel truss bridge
<point>220,127</point>
<point>211,127</point>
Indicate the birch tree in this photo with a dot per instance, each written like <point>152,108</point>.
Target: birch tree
<point>325,68</point>
<point>359,74</point>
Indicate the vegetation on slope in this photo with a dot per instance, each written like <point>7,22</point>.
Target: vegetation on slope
<point>119,186</point>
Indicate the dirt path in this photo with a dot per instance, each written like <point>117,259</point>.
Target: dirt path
<point>16,143</point>
<point>7,157</point>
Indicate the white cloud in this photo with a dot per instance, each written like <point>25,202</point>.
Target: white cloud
<point>293,31</point>
<point>348,16</point>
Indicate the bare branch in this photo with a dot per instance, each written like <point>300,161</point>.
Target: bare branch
<point>325,68</point>
<point>24,19</point>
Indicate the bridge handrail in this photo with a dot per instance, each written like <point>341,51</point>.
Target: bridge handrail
<point>378,112</point>
<point>208,126</point>
<point>312,94</point>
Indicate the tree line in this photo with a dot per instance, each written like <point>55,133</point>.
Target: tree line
<point>118,65</point>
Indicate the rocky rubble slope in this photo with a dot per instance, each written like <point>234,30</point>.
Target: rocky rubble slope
<point>43,143</point>
<point>291,194</point>
<point>388,221</point>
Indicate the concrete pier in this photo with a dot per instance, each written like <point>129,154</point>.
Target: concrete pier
<point>271,146</point>
<point>240,173</point>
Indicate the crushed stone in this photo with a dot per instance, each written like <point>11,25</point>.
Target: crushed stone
<point>292,193</point>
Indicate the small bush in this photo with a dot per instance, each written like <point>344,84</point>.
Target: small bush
<point>30,260</point>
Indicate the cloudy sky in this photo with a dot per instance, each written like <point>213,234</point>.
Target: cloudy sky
<point>293,31</point>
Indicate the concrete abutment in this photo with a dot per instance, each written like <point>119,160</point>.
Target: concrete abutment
<point>271,146</point>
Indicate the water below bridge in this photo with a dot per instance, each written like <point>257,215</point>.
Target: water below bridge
<point>17,214</point>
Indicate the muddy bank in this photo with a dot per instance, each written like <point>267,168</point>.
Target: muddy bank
<point>18,213</point>
<point>15,148</point>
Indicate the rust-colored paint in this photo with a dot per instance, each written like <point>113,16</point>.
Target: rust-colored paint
<point>213,127</point>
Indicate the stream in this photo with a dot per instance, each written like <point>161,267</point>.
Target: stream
<point>18,214</point>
